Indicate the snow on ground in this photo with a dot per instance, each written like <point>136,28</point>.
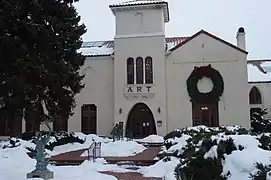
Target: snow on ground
<point>15,164</point>
<point>241,163</point>
<point>109,148</point>
<point>152,139</point>
<point>161,169</point>
<point>128,148</point>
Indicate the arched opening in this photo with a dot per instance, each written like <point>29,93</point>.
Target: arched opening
<point>140,122</point>
<point>255,96</point>
<point>89,119</point>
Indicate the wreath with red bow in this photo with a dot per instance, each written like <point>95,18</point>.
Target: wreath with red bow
<point>192,84</point>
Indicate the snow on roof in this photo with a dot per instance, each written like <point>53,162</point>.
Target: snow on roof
<point>256,75</point>
<point>266,65</point>
<point>106,48</point>
<point>137,2</point>
<point>97,48</point>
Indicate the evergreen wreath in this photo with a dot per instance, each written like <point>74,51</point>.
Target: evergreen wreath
<point>192,82</point>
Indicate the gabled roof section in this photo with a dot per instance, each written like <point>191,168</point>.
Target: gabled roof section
<point>210,35</point>
<point>142,3</point>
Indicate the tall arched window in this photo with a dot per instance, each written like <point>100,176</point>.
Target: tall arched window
<point>139,70</point>
<point>130,71</point>
<point>148,71</point>
<point>255,96</point>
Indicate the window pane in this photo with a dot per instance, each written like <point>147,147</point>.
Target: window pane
<point>255,96</point>
<point>139,70</point>
<point>130,71</point>
<point>148,71</point>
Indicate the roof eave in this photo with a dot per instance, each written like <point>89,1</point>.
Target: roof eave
<point>162,4</point>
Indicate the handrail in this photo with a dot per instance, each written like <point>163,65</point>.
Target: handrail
<point>94,151</point>
<point>90,150</point>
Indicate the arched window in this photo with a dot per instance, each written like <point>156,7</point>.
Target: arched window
<point>130,71</point>
<point>148,71</point>
<point>139,70</point>
<point>255,96</point>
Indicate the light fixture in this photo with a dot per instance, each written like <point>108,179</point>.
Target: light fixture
<point>159,110</point>
<point>120,111</point>
<point>204,108</point>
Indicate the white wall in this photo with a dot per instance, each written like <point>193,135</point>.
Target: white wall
<point>233,106</point>
<point>142,21</point>
<point>143,47</point>
<point>98,90</point>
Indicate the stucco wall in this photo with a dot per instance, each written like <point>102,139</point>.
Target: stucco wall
<point>136,22</point>
<point>99,91</point>
<point>143,47</point>
<point>233,106</point>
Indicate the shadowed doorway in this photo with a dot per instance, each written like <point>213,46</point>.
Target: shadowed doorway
<point>205,114</point>
<point>140,122</point>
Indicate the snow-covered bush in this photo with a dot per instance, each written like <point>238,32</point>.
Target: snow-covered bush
<point>259,123</point>
<point>61,138</point>
<point>217,153</point>
<point>262,173</point>
<point>13,142</point>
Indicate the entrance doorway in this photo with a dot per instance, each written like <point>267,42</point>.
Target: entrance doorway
<point>89,119</point>
<point>140,122</point>
<point>205,114</point>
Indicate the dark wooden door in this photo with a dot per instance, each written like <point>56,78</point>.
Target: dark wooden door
<point>89,119</point>
<point>205,114</point>
<point>140,122</point>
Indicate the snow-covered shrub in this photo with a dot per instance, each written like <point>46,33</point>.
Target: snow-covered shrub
<point>262,172</point>
<point>259,123</point>
<point>13,142</point>
<point>201,168</point>
<point>265,142</point>
<point>203,151</point>
<point>62,138</point>
<point>202,157</point>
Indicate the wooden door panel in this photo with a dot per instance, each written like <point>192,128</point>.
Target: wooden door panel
<point>205,114</point>
<point>89,119</point>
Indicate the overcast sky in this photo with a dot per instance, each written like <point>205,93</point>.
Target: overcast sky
<point>219,17</point>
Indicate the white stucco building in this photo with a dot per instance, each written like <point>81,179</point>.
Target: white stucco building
<point>140,78</point>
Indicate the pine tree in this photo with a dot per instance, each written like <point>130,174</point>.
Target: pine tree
<point>39,59</point>
<point>259,123</point>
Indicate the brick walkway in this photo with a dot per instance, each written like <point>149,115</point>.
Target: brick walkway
<point>144,158</point>
<point>71,158</point>
<point>130,176</point>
